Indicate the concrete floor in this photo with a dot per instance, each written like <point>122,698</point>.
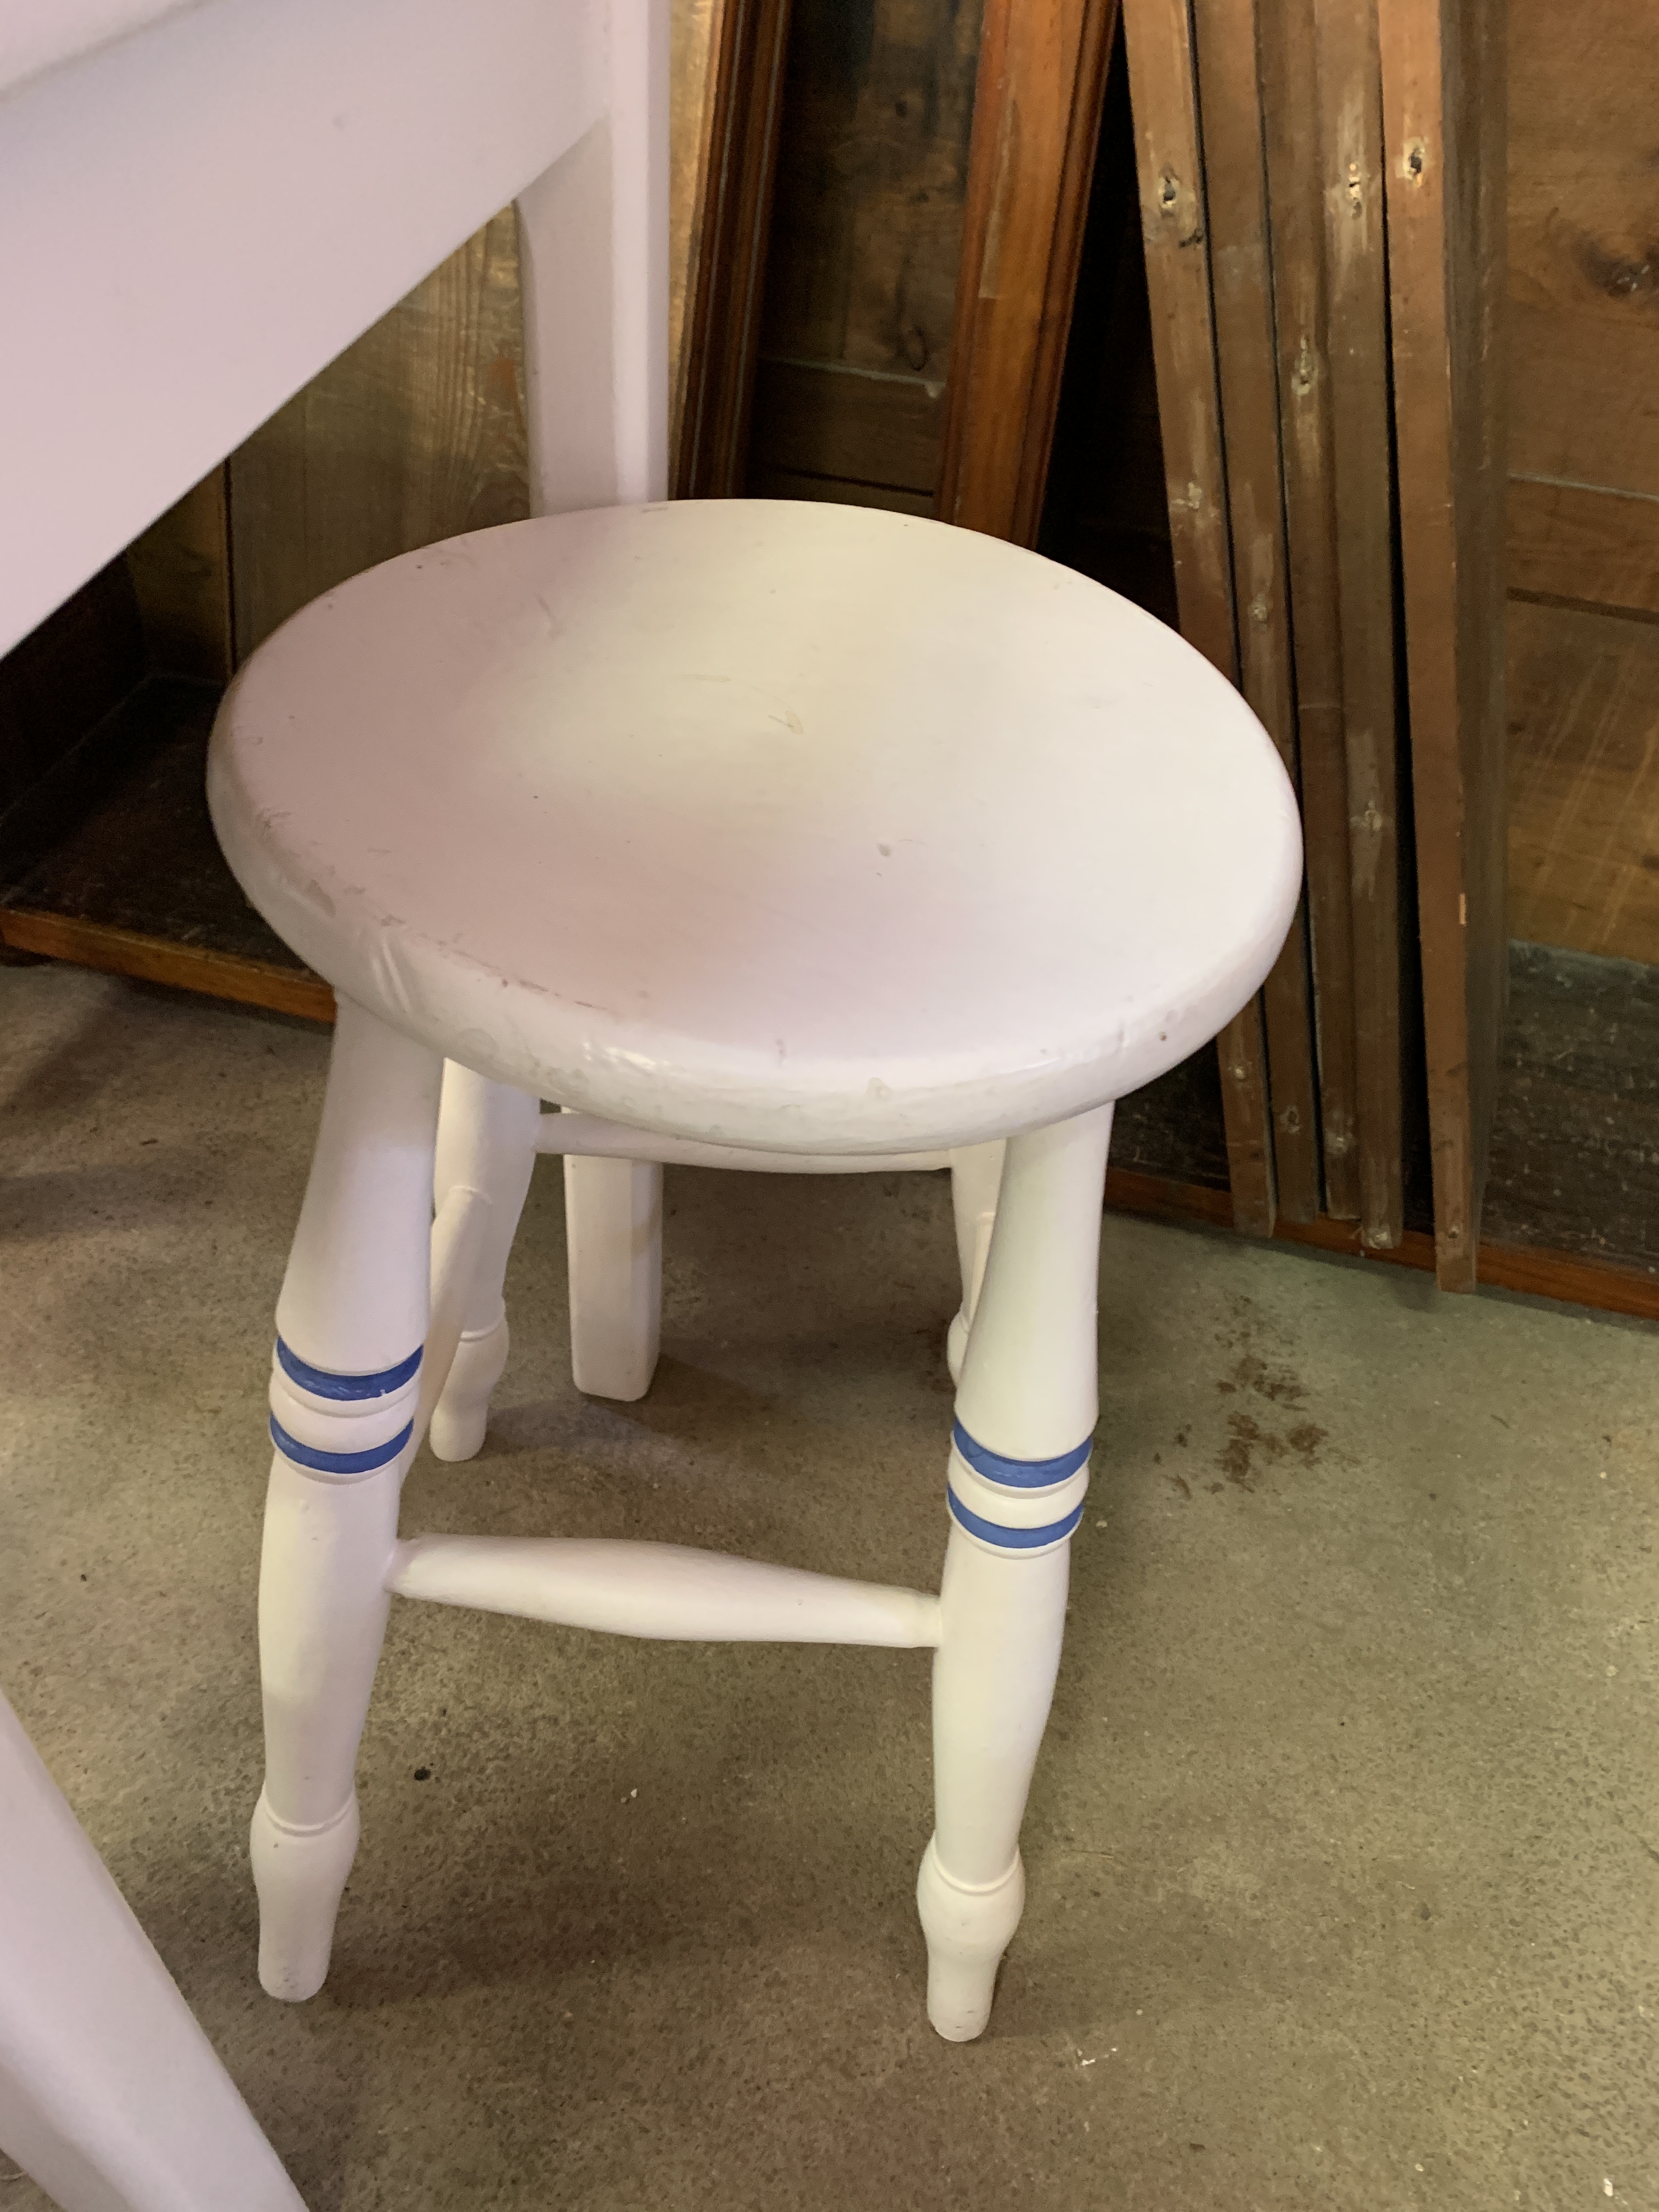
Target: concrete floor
<point>1343,1853</point>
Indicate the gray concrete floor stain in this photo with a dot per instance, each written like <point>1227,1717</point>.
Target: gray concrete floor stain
<point>1344,1849</point>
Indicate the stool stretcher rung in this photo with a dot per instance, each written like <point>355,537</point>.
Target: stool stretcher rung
<point>590,1137</point>
<point>666,1591</point>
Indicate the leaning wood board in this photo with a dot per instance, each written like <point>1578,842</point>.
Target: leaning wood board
<point>724,290</point>
<point>1289,78</point>
<point>1175,225</point>
<point>1037,102</point>
<point>1349,107</point>
<point>1442,63</point>
<point>1231,123</point>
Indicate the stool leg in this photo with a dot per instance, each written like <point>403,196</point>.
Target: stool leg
<point>345,1377</point>
<point>487,1142</point>
<point>976,1179</point>
<point>1019,1469</point>
<point>613,1236</point>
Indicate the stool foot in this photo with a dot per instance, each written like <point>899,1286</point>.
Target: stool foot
<point>300,1874</point>
<point>461,1414</point>
<point>968,1930</point>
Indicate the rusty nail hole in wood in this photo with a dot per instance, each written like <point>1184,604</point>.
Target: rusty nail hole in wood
<point>1414,161</point>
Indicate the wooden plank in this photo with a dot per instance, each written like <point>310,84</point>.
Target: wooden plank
<point>722,323</point>
<point>1289,75</point>
<point>1603,1286</point>
<point>416,433</point>
<point>180,570</point>
<point>1578,542</point>
<point>1583,813</point>
<point>161,960</point>
<point>1036,116</point>
<point>1442,65</point>
<point>765,483</point>
<point>1106,511</point>
<point>872,179</point>
<point>1349,118</point>
<point>1583,217</point>
<point>1236,190</point>
<point>868,426</point>
<point>1174,226</point>
<point>1585,407</point>
<point>1173,220</point>
<point>1583,193</point>
<point>693,48</point>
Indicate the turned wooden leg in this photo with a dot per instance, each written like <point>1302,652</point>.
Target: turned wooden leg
<point>613,1236</point>
<point>111,2096</point>
<point>976,1179</point>
<point>1017,1472</point>
<point>487,1143</point>
<point>345,1379</point>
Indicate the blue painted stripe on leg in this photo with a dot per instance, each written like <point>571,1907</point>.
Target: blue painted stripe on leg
<point>323,1383</point>
<point>361,1462</point>
<point>1019,1473</point>
<point>1012,1540</point>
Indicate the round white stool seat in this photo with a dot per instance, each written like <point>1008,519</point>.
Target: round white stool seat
<point>792,826</point>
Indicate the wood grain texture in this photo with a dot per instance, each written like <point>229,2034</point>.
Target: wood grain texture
<point>768,482</point>
<point>1290,84</point>
<point>1350,119</point>
<point>1585,399</point>
<point>861,277</point>
<point>1442,65</point>
<point>1174,230</point>
<point>1584,302</point>
<point>1037,103</point>
<point>161,960</point>
<point>1106,510</point>
<point>1584,242</point>
<point>1575,542</point>
<point>180,570</point>
<point>1583,812</point>
<point>694,35</point>
<point>866,427</point>
<point>720,344</point>
<point>1230,123</point>
<point>416,433</point>
<point>872,181</point>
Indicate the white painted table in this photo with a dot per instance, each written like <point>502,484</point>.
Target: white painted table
<point>201,202</point>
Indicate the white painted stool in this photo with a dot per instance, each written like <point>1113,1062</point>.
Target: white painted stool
<point>755,835</point>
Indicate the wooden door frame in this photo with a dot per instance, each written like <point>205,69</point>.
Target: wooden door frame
<point>1038,97</point>
<point>725,284</point>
